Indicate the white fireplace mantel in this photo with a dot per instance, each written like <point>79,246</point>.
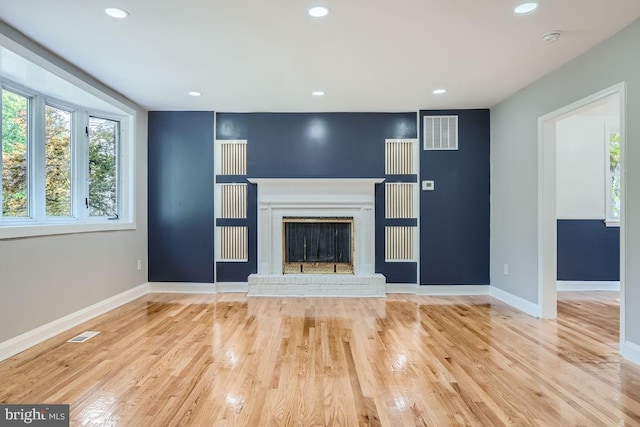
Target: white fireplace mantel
<point>311,197</point>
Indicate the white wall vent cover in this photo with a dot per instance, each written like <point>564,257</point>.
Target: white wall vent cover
<point>441,132</point>
<point>84,336</point>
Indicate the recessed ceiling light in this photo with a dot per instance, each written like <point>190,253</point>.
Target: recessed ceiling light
<point>319,11</point>
<point>439,91</point>
<point>194,93</point>
<point>527,7</point>
<point>114,12</point>
<point>317,93</point>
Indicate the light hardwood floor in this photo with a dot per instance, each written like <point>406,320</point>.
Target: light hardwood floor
<point>229,360</point>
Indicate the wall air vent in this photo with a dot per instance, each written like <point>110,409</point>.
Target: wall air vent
<point>441,132</point>
<point>84,336</point>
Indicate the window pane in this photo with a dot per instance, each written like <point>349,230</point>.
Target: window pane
<point>58,164</point>
<point>614,152</point>
<point>614,173</point>
<point>615,196</point>
<point>15,137</point>
<point>103,166</point>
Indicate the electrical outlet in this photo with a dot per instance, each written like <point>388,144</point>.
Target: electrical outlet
<point>505,269</point>
<point>139,265</point>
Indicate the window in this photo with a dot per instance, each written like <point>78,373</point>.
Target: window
<point>58,161</point>
<point>15,154</point>
<point>103,166</point>
<point>613,185</point>
<point>64,167</point>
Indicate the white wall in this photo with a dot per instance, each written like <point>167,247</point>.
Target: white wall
<point>45,278</point>
<point>580,167</point>
<point>514,168</point>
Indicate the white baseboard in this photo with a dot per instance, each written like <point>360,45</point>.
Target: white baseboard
<point>315,295</point>
<point>181,288</point>
<point>514,301</point>
<point>570,285</point>
<point>452,290</point>
<point>630,352</point>
<point>232,286</point>
<point>401,288</point>
<point>35,336</point>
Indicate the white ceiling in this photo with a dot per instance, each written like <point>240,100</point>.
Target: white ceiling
<point>368,55</point>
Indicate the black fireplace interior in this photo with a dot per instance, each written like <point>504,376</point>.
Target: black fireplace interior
<point>328,242</point>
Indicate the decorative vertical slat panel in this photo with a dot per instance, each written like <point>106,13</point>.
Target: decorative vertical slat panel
<point>399,158</point>
<point>234,158</point>
<point>244,158</point>
<point>233,200</point>
<point>399,200</point>
<point>223,158</point>
<point>241,210</point>
<point>234,243</point>
<point>386,157</point>
<point>399,243</point>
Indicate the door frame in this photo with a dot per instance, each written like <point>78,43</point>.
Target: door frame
<point>547,216</point>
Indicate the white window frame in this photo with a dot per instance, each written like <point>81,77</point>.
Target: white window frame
<point>119,162</point>
<point>610,220</point>
<point>40,147</point>
<point>38,223</point>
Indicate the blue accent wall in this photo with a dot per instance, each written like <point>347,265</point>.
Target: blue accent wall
<point>454,222</point>
<point>588,250</point>
<point>316,145</point>
<point>181,196</point>
<point>454,217</point>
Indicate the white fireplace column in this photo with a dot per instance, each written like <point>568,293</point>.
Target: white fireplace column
<point>300,197</point>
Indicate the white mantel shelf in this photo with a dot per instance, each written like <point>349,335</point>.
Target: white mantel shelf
<point>316,197</point>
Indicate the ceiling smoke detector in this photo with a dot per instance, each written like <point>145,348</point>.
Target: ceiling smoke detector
<point>551,37</point>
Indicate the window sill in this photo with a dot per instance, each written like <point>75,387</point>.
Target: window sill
<point>19,231</point>
<point>612,222</point>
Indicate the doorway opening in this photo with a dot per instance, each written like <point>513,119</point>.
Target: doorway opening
<point>591,188</point>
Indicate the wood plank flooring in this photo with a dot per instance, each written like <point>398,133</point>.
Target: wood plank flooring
<point>229,360</point>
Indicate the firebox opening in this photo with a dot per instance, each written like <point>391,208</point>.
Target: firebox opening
<point>318,245</point>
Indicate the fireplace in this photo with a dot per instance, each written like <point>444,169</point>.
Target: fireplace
<point>317,245</point>
<point>293,202</point>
